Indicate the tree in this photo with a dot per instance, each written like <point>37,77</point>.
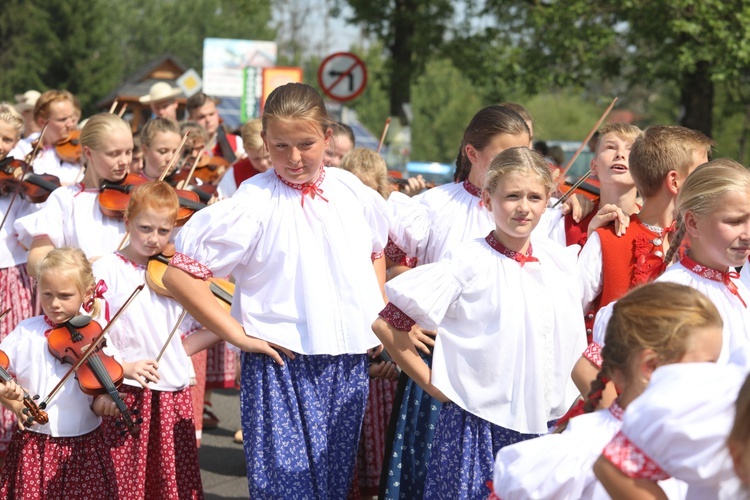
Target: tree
<point>412,31</point>
<point>542,43</point>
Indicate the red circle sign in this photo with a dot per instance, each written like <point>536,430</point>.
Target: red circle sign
<point>342,76</point>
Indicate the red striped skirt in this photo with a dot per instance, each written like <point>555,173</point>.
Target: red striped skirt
<point>42,466</point>
<point>163,461</point>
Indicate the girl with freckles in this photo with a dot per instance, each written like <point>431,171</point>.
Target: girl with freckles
<point>300,241</point>
<point>509,330</point>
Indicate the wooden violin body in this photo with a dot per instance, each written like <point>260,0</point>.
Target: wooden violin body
<point>69,149</point>
<point>100,374</point>
<point>115,196</point>
<point>17,174</point>
<point>31,410</point>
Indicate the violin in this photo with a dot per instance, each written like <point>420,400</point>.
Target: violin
<point>100,374</point>
<point>204,191</point>
<point>209,168</point>
<point>69,149</point>
<point>16,174</point>
<point>115,196</point>
<point>587,186</point>
<point>222,290</point>
<point>31,410</point>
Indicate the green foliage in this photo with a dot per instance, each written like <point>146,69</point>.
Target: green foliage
<point>443,102</point>
<point>89,46</point>
<point>563,116</point>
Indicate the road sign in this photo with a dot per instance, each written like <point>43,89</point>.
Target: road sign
<point>342,76</point>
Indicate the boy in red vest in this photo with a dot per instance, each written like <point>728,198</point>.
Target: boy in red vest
<point>609,265</point>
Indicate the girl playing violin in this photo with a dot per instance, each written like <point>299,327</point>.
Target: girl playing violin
<point>163,461</point>
<point>16,292</point>
<point>72,215</point>
<point>160,139</point>
<point>66,457</point>
<point>57,110</point>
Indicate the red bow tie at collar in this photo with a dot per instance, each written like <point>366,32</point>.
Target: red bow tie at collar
<point>714,275</point>
<point>517,256</point>
<point>309,188</point>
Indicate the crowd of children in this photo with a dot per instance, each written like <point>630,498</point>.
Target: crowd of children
<point>472,341</point>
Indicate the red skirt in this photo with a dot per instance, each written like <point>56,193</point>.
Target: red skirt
<point>163,461</point>
<point>17,294</point>
<point>220,367</point>
<point>42,466</point>
<point>372,440</point>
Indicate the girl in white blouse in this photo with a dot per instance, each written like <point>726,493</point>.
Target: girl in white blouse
<point>66,457</point>
<point>653,325</point>
<point>509,328</point>
<point>71,216</point>
<point>300,242</point>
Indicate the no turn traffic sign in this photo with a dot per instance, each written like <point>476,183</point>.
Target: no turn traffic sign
<point>342,76</point>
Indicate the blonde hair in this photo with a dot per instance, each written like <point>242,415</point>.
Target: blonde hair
<point>625,131</point>
<point>659,316</point>
<point>153,195</point>
<point>250,133</point>
<point>96,132</point>
<point>156,126</point>
<point>12,117</point>
<point>703,191</point>
<point>41,108</point>
<point>662,149</point>
<point>369,167</point>
<point>740,432</point>
<point>297,101</point>
<point>520,159</point>
<point>74,264</point>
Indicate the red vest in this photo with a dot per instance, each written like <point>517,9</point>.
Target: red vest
<point>231,139</point>
<point>576,233</point>
<point>627,261</point>
<point>243,170</point>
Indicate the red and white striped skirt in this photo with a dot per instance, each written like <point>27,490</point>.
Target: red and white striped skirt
<point>163,461</point>
<point>45,467</point>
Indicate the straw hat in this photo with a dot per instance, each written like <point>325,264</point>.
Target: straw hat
<point>160,91</point>
<point>27,100</point>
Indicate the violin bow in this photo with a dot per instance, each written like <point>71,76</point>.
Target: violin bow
<point>382,136</point>
<point>5,313</point>
<point>28,159</point>
<point>113,107</point>
<point>122,110</point>
<point>91,348</point>
<point>573,188</point>
<point>192,169</point>
<point>174,330</point>
<point>585,142</point>
<point>174,156</point>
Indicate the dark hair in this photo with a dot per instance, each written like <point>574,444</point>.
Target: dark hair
<point>195,101</point>
<point>344,129</point>
<point>483,127</point>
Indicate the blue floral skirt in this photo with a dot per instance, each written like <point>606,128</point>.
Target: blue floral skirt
<point>409,441</point>
<point>301,424</point>
<point>463,454</point>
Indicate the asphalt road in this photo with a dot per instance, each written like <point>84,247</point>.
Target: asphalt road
<point>223,461</point>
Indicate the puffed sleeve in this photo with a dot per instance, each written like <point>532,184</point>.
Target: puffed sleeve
<point>679,425</point>
<point>590,270</point>
<point>425,294</point>
<point>219,237</point>
<point>49,221</point>
<point>9,346</point>
<point>408,230</point>
<point>376,212</point>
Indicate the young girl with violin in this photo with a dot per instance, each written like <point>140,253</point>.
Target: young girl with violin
<point>160,139</point>
<point>74,215</point>
<point>163,461</point>
<point>16,291</point>
<point>300,241</point>
<point>651,326</point>
<point>66,457</point>
<point>61,151</point>
<point>501,363</point>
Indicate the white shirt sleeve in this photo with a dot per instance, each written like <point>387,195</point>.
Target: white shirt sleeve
<point>590,270</point>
